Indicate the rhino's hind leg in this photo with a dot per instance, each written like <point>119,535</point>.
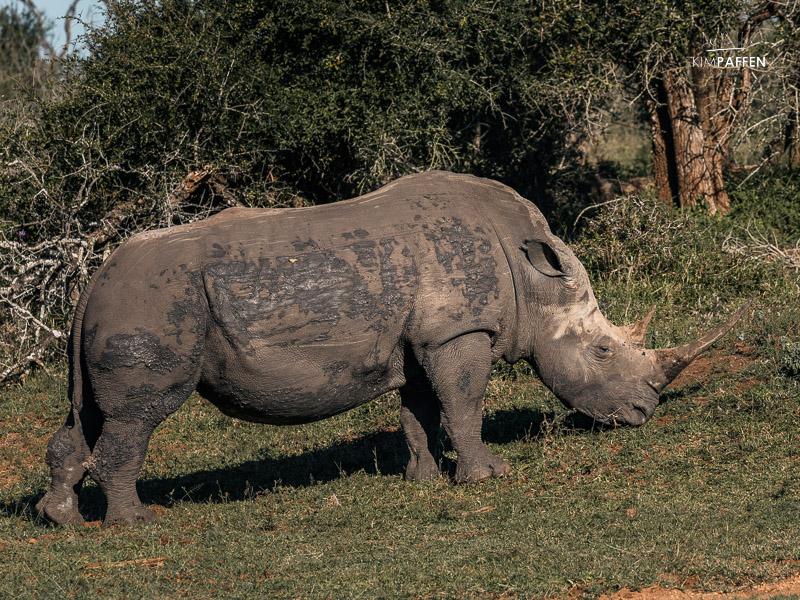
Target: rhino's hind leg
<point>129,421</point>
<point>114,465</point>
<point>419,417</point>
<point>67,452</point>
<point>459,371</point>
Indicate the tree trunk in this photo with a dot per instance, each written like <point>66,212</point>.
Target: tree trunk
<point>664,174</point>
<point>695,180</point>
<point>717,125</point>
<point>690,142</point>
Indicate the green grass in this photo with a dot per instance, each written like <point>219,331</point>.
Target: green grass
<point>709,490</point>
<point>706,495</point>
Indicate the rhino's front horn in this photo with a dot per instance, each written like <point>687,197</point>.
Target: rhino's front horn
<point>638,331</point>
<point>673,360</point>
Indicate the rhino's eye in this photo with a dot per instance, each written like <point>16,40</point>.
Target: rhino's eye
<point>602,350</point>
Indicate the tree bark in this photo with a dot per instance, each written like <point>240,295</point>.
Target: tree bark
<point>664,175</point>
<point>695,181</point>
<point>713,94</point>
<point>691,136</point>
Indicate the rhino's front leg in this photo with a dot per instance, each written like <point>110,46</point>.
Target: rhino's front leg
<point>419,417</point>
<point>459,372</point>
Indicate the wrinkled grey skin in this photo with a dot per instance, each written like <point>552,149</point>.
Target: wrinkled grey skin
<point>290,316</point>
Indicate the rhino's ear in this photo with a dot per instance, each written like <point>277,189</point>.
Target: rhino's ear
<point>543,258</point>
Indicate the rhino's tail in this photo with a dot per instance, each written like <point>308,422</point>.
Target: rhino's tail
<point>71,446</point>
<point>74,350</point>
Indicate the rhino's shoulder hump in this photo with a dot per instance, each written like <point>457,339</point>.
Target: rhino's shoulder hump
<point>447,180</point>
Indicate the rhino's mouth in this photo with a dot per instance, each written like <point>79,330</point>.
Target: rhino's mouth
<point>635,413</point>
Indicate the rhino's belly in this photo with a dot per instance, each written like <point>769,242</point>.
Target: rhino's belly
<point>299,383</point>
<point>292,405</point>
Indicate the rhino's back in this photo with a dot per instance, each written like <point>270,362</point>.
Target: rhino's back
<point>363,259</point>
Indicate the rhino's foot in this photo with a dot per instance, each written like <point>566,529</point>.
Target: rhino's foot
<point>422,470</point>
<point>60,509</point>
<point>484,466</point>
<point>130,517</point>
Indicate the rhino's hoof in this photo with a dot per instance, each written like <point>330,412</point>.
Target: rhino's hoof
<point>59,511</point>
<point>477,471</point>
<point>130,517</point>
<point>424,470</point>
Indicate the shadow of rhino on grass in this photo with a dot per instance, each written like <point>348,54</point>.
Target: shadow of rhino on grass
<point>382,452</point>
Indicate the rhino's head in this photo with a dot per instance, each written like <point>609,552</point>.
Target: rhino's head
<point>591,364</point>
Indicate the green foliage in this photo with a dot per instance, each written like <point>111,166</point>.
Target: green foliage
<point>638,241</point>
<point>790,359</point>
<point>299,101</point>
<point>768,201</point>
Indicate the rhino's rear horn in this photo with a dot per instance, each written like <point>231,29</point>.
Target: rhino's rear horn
<point>673,360</point>
<point>638,331</point>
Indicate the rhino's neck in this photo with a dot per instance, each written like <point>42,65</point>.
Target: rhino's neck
<point>559,316</point>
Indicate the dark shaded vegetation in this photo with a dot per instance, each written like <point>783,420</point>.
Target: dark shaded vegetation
<point>297,102</point>
<point>770,202</point>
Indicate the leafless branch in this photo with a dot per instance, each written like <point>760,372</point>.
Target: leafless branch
<point>758,246</point>
<point>40,18</point>
<point>41,280</point>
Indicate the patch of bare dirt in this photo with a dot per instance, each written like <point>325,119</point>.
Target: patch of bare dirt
<point>762,592</point>
<point>21,450</point>
<point>704,365</point>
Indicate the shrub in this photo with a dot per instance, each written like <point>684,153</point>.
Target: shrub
<point>790,356</point>
<point>639,252</point>
<point>768,202</point>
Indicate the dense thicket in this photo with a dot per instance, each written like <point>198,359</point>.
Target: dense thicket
<point>302,101</point>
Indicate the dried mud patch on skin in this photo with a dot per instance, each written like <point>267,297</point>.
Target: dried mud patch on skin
<point>766,590</point>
